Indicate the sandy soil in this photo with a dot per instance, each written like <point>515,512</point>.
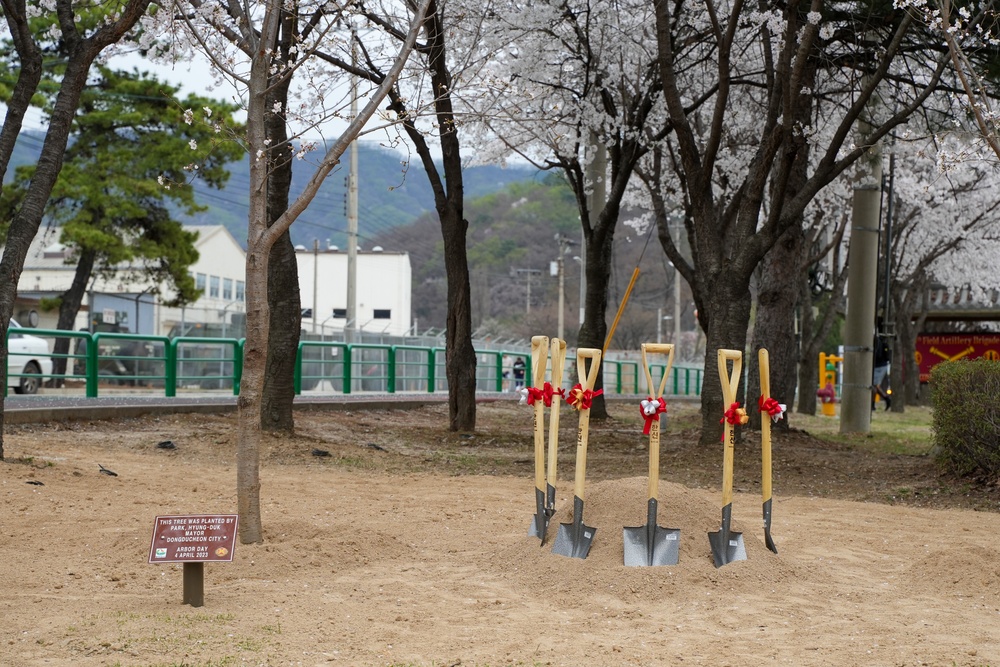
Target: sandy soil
<point>393,551</point>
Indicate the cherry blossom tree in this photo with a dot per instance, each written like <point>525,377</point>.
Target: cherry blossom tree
<point>785,104</point>
<point>242,42</point>
<point>573,87</point>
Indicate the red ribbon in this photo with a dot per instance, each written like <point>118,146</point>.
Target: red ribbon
<point>548,392</point>
<point>580,398</point>
<point>535,394</point>
<point>735,415</point>
<point>769,405</point>
<point>661,407</point>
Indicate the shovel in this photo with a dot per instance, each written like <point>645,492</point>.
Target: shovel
<point>727,546</point>
<point>558,363</point>
<point>574,539</point>
<point>764,365</point>
<point>539,357</point>
<point>651,544</point>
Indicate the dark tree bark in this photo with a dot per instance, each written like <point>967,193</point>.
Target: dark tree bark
<point>69,305</point>
<point>80,53</point>
<point>284,302</point>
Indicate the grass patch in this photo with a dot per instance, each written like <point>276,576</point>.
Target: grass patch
<point>905,434</point>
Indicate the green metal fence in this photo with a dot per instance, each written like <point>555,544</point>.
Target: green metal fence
<point>104,361</point>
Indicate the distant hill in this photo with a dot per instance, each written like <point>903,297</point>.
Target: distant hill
<point>390,193</point>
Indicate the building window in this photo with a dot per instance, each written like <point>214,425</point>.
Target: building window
<point>340,313</point>
<point>382,314</point>
<point>213,286</point>
<point>199,281</point>
<point>241,290</point>
<point>227,289</point>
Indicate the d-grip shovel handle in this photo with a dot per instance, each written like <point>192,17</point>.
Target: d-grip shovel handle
<point>654,431</point>
<point>558,347</point>
<point>730,383</point>
<point>587,380</point>
<point>764,367</point>
<point>539,359</point>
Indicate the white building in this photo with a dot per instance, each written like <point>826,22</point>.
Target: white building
<point>383,290</point>
<point>129,304</point>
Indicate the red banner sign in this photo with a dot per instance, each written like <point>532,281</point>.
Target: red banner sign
<point>933,349</point>
<point>193,538</point>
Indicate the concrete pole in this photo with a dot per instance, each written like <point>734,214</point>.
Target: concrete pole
<point>561,328</point>
<point>315,312</point>
<point>352,217</point>
<point>862,279</point>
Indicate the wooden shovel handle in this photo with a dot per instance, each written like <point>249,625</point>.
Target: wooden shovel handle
<point>764,366</point>
<point>587,380</point>
<point>558,351</point>
<point>654,430</point>
<point>539,359</point>
<point>730,384</point>
<point>657,348</point>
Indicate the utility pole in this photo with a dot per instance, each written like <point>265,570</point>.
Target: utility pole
<point>528,273</point>
<point>859,325</point>
<point>559,269</point>
<point>352,213</point>
<point>315,312</point>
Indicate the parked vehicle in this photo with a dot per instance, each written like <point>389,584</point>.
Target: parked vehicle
<point>28,357</point>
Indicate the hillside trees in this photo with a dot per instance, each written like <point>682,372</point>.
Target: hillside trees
<point>242,42</point>
<point>73,36</point>
<point>131,135</point>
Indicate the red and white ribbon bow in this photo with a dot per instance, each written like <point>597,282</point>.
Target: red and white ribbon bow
<point>651,408</point>
<point>772,407</point>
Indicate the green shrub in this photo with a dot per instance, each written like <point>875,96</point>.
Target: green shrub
<point>967,415</point>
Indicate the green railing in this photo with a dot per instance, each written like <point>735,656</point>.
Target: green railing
<point>106,360</point>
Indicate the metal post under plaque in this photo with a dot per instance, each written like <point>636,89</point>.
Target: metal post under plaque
<point>194,540</point>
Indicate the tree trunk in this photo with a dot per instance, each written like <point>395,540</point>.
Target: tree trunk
<point>26,221</point>
<point>729,304</point>
<point>283,277</point>
<point>595,328</point>
<point>460,357</point>
<point>774,325</point>
<point>69,306</point>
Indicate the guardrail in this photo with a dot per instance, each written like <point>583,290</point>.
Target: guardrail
<point>104,361</point>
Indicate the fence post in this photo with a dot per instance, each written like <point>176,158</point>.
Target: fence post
<point>92,366</point>
<point>238,347</point>
<point>170,381</point>
<point>348,362</point>
<point>391,380</point>
<point>431,370</point>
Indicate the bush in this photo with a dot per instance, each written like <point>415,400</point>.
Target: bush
<point>967,416</point>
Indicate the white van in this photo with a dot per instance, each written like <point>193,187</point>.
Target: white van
<point>26,355</point>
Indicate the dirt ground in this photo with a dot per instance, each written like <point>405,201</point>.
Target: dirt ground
<point>408,545</point>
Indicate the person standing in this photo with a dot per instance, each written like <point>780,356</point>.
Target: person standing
<point>518,369</point>
<point>880,370</point>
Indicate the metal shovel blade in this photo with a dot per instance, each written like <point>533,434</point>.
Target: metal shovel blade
<point>650,544</point>
<point>767,527</point>
<point>574,539</point>
<point>540,522</point>
<point>727,546</point>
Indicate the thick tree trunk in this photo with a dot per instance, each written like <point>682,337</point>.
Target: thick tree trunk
<point>283,277</point>
<point>774,325</point>
<point>595,328</point>
<point>729,316</point>
<point>808,352</point>
<point>460,357</point>
<point>69,306</point>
